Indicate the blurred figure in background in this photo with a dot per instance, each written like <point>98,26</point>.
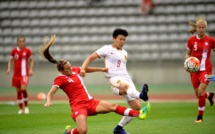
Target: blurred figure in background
<point>93,2</point>
<point>115,58</point>
<point>21,56</point>
<point>146,7</point>
<point>200,46</point>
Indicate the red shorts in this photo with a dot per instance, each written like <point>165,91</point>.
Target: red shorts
<point>84,107</point>
<point>199,77</point>
<point>17,81</point>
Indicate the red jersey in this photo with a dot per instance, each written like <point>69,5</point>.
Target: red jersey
<point>201,49</point>
<point>73,86</point>
<point>21,60</point>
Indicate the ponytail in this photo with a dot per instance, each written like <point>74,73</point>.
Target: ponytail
<point>44,52</point>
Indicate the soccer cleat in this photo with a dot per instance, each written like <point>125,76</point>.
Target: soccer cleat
<point>211,77</point>
<point>68,127</point>
<point>119,130</point>
<point>27,110</point>
<point>198,121</point>
<point>144,111</point>
<point>210,98</point>
<point>144,93</point>
<point>20,111</point>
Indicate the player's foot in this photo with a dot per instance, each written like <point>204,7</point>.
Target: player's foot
<point>26,110</point>
<point>144,111</point>
<point>210,98</point>
<point>20,111</point>
<point>68,127</point>
<point>144,93</point>
<point>119,130</point>
<point>199,119</point>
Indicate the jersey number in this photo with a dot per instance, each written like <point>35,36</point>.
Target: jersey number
<point>195,46</point>
<point>70,80</point>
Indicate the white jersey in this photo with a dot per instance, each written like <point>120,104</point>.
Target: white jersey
<point>115,60</point>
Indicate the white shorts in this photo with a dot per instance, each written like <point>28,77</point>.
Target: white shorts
<point>117,80</point>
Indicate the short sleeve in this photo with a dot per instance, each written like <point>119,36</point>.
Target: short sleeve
<point>29,52</point>
<point>12,53</point>
<point>102,51</point>
<point>58,82</point>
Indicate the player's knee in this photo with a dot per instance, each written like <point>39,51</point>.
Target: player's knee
<point>113,107</point>
<point>123,88</point>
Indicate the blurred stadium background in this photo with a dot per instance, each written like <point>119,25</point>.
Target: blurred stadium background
<point>156,43</point>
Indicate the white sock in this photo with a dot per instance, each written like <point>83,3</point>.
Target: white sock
<point>125,120</point>
<point>133,93</point>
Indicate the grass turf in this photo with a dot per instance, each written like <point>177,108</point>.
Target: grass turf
<point>165,118</point>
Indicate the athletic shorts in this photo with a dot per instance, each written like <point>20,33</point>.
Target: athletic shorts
<point>199,77</point>
<point>117,80</point>
<point>84,107</point>
<point>17,81</point>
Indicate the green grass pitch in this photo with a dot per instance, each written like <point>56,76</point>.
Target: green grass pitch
<point>164,118</point>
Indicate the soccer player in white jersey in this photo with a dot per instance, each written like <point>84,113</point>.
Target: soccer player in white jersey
<point>118,77</point>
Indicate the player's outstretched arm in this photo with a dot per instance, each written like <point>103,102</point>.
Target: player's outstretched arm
<point>50,95</point>
<point>96,69</point>
<point>89,59</point>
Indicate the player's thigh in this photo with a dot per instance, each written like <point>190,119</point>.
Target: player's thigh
<point>135,104</point>
<point>24,82</point>
<point>81,121</point>
<point>105,107</point>
<point>16,81</point>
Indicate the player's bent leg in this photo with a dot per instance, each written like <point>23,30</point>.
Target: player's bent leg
<point>145,111</point>
<point>135,105</point>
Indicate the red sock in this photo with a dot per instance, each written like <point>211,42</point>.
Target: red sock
<point>25,97</point>
<point>126,111</point>
<point>73,131</point>
<point>201,105</point>
<point>19,99</point>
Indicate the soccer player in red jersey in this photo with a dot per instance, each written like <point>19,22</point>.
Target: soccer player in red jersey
<point>21,56</point>
<point>81,102</point>
<point>200,46</point>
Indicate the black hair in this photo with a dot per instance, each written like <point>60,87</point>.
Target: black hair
<point>119,31</point>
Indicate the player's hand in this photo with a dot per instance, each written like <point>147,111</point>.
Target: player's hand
<point>82,73</point>
<point>105,69</point>
<point>8,71</point>
<point>47,104</point>
<point>30,73</point>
